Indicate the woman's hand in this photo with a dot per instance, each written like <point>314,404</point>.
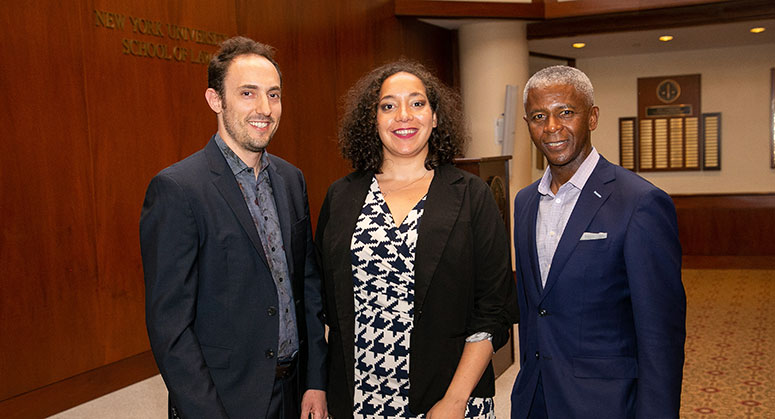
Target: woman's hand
<point>476,356</point>
<point>448,408</point>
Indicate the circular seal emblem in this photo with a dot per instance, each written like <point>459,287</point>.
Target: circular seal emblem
<point>668,91</point>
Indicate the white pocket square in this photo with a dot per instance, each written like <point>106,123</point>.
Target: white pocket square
<point>594,236</point>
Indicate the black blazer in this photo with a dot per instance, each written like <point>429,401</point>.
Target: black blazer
<point>463,284</point>
<point>211,301</point>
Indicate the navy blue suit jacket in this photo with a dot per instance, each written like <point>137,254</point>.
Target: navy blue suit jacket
<point>607,332</point>
<point>211,302</point>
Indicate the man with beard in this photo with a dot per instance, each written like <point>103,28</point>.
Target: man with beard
<point>233,303</point>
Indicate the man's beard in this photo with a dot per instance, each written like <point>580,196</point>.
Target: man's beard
<point>241,135</point>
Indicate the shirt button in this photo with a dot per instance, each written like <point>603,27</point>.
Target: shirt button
<point>270,353</point>
<point>266,218</point>
<point>542,312</point>
<point>271,311</point>
<point>558,201</point>
<point>552,233</point>
<point>281,280</point>
<point>537,355</point>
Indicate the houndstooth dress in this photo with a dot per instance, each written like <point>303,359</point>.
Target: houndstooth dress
<point>383,278</point>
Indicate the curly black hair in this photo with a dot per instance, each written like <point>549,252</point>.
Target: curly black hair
<point>359,139</point>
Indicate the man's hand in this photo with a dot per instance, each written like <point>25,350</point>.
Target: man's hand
<point>314,403</point>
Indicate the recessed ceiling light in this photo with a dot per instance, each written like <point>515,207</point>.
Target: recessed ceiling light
<point>758,29</point>
<point>666,38</point>
<point>579,45</point>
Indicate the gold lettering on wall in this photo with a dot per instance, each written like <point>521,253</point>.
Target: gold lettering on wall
<point>146,27</point>
<point>109,20</point>
<point>156,46</point>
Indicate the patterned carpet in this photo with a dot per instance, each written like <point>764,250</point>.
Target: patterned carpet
<point>730,359</point>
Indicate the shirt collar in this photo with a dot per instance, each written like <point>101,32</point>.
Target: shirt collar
<point>235,163</point>
<point>578,180</point>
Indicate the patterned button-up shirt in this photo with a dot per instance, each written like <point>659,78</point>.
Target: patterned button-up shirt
<point>554,210</point>
<point>259,198</point>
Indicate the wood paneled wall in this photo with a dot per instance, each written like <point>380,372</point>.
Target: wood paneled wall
<point>85,128</point>
<point>727,231</point>
<point>726,225</point>
<point>322,50</point>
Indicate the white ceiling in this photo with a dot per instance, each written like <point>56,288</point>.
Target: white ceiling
<point>645,42</point>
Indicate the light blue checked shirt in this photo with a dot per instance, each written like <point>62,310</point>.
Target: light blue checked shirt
<point>555,210</point>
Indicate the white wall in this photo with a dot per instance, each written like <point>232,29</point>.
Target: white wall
<point>735,82</point>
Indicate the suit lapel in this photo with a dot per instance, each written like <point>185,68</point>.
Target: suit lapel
<point>592,197</point>
<point>532,213</point>
<point>346,206</point>
<point>280,193</point>
<point>445,197</point>
<point>224,181</point>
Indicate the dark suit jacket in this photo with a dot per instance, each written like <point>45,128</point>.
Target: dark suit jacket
<point>463,283</point>
<point>607,332</point>
<point>211,302</point>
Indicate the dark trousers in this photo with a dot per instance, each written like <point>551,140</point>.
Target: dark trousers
<point>538,406</point>
<point>285,402</point>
